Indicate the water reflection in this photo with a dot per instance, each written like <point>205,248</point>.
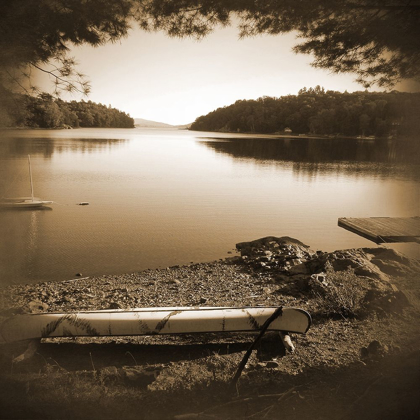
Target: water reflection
<point>311,156</point>
<point>160,198</point>
<point>25,209</point>
<point>19,253</point>
<point>46,147</point>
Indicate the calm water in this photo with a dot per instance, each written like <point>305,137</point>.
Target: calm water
<point>165,197</point>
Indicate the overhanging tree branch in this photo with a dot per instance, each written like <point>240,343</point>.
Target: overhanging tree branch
<point>70,85</point>
<point>383,36</point>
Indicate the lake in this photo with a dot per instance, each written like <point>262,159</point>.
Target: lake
<point>159,198</point>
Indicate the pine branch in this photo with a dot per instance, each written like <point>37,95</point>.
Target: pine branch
<point>60,81</point>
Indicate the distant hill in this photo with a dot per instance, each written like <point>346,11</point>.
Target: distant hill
<point>183,126</point>
<point>140,122</point>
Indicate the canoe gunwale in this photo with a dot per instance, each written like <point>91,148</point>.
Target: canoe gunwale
<point>151,321</point>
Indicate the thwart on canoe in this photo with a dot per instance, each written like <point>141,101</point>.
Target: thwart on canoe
<point>151,321</point>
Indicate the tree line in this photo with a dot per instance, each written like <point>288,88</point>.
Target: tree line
<point>45,111</point>
<point>316,111</point>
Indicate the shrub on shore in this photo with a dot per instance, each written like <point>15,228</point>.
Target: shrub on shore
<point>340,295</point>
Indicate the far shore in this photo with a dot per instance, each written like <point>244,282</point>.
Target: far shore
<point>308,136</point>
<point>255,134</point>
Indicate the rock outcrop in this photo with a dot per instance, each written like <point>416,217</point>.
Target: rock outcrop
<point>301,271</point>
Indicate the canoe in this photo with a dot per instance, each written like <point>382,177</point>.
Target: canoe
<point>151,321</point>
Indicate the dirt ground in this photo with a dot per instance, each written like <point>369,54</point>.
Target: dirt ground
<point>359,360</point>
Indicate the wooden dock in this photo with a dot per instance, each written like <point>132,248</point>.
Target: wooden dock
<point>384,229</point>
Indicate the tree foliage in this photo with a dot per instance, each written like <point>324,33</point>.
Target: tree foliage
<point>44,111</point>
<point>379,40</point>
<point>317,111</point>
<point>37,34</point>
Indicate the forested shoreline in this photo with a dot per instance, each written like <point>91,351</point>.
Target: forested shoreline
<point>45,111</point>
<point>319,112</point>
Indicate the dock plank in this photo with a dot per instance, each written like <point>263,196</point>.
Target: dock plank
<point>384,229</point>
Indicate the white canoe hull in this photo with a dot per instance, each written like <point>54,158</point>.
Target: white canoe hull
<point>150,321</point>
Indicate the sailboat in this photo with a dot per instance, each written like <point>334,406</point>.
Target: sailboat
<point>24,202</point>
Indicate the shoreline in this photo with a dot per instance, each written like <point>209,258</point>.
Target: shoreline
<point>258,135</point>
<point>312,136</point>
<point>344,351</point>
<point>261,267</point>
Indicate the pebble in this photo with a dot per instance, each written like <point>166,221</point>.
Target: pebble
<point>272,364</point>
<point>36,306</point>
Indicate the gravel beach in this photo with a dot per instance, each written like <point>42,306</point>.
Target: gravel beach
<point>365,305</point>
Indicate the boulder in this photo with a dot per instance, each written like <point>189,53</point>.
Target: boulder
<point>294,286</point>
<point>300,271</point>
<point>234,260</point>
<point>318,284</point>
<point>302,268</point>
<point>356,259</point>
<point>272,244</point>
<point>276,254</point>
<point>271,241</point>
<point>392,262</point>
<point>374,350</point>
<point>387,254</point>
<point>385,302</point>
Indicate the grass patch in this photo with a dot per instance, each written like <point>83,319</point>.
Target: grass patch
<point>340,295</point>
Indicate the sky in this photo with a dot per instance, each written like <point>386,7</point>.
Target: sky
<point>174,81</point>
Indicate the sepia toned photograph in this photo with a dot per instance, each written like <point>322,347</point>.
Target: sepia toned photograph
<point>210,209</point>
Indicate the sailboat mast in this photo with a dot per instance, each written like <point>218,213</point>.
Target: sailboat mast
<point>30,177</point>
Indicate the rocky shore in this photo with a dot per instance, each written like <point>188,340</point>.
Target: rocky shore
<point>269,271</point>
<point>365,305</point>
